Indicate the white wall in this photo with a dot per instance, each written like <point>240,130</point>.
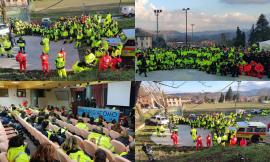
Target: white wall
<point>13,99</point>
<point>50,99</point>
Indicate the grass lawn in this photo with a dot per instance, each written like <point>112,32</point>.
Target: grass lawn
<point>92,75</point>
<point>253,153</point>
<point>38,5</point>
<point>224,106</point>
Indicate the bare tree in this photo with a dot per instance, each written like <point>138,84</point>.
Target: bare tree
<point>120,2</point>
<point>3,11</point>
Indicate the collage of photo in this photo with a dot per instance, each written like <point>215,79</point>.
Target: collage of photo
<point>134,81</point>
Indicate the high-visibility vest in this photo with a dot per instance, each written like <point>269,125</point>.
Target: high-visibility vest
<point>60,63</point>
<point>89,58</point>
<point>80,156</point>
<point>17,154</point>
<point>82,126</point>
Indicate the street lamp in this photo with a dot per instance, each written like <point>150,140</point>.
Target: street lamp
<point>186,10</point>
<point>192,26</point>
<point>157,12</point>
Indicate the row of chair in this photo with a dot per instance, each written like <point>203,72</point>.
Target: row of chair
<point>5,135</point>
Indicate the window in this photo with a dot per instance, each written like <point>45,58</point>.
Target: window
<point>142,38</point>
<point>260,130</point>
<point>249,129</point>
<point>241,130</point>
<point>142,44</point>
<point>3,92</point>
<point>21,93</point>
<point>130,43</point>
<point>147,44</point>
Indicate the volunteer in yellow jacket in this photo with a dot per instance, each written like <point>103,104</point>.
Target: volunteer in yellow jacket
<point>71,147</point>
<point>80,124</point>
<point>16,150</point>
<point>101,140</point>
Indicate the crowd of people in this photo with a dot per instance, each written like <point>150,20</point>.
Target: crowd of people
<point>92,31</point>
<point>19,152</point>
<point>222,61</point>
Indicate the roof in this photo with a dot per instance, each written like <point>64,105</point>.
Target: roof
<point>250,124</point>
<point>130,33</point>
<point>142,33</point>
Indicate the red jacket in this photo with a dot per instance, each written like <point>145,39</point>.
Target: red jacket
<point>106,61</point>
<point>44,58</point>
<point>20,57</point>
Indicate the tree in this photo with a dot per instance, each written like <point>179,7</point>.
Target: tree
<point>221,99</point>
<point>262,30</point>
<point>240,39</point>
<point>229,95</point>
<point>3,11</point>
<point>252,36</point>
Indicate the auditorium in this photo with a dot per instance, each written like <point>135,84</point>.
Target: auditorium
<point>67,121</point>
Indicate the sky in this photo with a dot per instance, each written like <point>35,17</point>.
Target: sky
<point>211,86</point>
<point>207,15</point>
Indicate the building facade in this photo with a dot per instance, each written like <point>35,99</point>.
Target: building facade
<point>13,3</point>
<point>174,101</point>
<point>143,39</point>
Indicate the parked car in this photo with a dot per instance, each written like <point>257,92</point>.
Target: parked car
<point>4,29</point>
<point>157,119</point>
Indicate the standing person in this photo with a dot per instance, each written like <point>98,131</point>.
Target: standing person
<point>208,140</point>
<point>233,140</point>
<point>106,61</point>
<point>62,53</point>
<point>193,134</point>
<point>8,48</point>
<point>174,138</point>
<point>21,43</point>
<point>12,38</point>
<point>44,62</point>
<point>243,142</point>
<point>199,144</point>
<point>60,66</point>
<point>142,65</point>
<point>21,58</point>
<point>44,153</point>
<point>45,43</point>
<point>148,151</point>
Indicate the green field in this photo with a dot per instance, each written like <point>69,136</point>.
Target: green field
<point>72,6</point>
<point>92,75</point>
<point>224,106</point>
<point>253,153</point>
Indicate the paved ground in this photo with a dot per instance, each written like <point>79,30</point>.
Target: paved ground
<point>185,137</point>
<point>183,134</point>
<point>189,74</point>
<point>33,50</point>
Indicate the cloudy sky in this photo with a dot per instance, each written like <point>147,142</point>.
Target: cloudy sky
<point>211,86</point>
<point>208,15</point>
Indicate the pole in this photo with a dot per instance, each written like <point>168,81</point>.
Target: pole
<point>192,25</point>
<point>157,25</point>
<point>186,27</point>
<point>157,12</point>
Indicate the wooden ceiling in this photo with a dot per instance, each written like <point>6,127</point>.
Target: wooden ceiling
<point>44,84</point>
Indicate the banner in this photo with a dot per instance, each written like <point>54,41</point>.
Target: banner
<point>108,114</point>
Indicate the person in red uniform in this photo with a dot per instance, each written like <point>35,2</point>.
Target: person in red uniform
<point>45,62</point>
<point>106,61</point>
<point>21,58</point>
<point>243,142</point>
<point>247,69</point>
<point>208,140</point>
<point>259,68</point>
<point>199,144</point>
<point>233,141</point>
<point>174,138</point>
<point>62,53</point>
<point>116,62</point>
